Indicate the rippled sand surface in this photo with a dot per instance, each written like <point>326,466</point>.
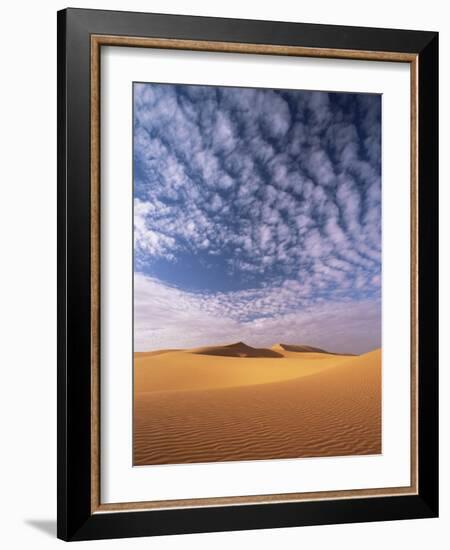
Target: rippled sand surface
<point>206,406</point>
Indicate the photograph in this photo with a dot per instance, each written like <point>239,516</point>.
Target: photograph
<point>257,273</point>
<point>247,272</point>
<point>224,282</point>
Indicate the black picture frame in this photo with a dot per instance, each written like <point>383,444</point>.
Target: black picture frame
<point>76,521</point>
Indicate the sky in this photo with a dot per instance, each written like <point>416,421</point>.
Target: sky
<point>257,217</point>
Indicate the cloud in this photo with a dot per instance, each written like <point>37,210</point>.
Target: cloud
<point>200,148</point>
<point>165,317</point>
<point>259,188</point>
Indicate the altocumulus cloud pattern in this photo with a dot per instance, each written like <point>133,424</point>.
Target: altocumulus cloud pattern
<point>257,217</point>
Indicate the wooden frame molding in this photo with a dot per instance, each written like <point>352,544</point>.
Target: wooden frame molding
<point>82,34</point>
<point>97,41</point>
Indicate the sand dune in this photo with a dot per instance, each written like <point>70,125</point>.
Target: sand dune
<point>192,406</point>
<point>298,349</point>
<point>239,349</point>
<point>152,353</point>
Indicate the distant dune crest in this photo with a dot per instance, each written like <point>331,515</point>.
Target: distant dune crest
<point>241,349</point>
<point>238,349</point>
<point>304,349</point>
<point>299,349</point>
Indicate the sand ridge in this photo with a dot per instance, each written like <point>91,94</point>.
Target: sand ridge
<point>239,349</point>
<point>297,348</point>
<point>199,407</point>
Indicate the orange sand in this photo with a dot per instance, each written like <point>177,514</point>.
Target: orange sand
<point>240,403</point>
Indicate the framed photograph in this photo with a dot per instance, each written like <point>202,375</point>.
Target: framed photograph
<point>247,254</point>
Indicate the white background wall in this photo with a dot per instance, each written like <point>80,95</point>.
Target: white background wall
<point>28,272</point>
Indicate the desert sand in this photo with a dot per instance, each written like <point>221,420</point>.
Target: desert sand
<point>236,402</point>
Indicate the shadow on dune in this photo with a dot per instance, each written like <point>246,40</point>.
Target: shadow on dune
<point>305,349</point>
<point>239,349</point>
